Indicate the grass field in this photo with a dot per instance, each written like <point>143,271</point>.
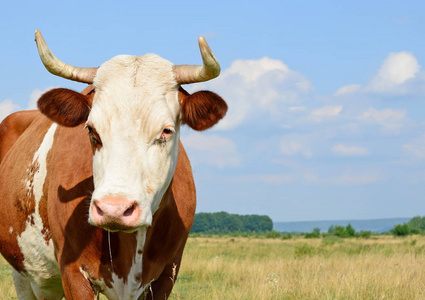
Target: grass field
<point>381,267</point>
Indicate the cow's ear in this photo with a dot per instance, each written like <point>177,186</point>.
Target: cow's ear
<point>65,107</point>
<point>201,110</point>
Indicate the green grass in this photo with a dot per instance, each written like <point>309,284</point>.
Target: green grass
<point>7,290</point>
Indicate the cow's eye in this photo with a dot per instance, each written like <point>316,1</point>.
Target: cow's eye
<point>93,136</point>
<point>166,134</point>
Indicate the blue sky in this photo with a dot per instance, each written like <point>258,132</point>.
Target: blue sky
<point>326,98</point>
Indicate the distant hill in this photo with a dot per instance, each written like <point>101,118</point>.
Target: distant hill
<point>375,225</point>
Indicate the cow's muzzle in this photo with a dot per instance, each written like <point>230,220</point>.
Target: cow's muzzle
<point>115,214</point>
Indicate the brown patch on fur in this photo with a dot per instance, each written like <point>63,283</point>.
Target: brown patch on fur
<point>65,107</point>
<point>12,128</point>
<point>26,204</point>
<point>16,180</point>
<point>43,207</point>
<point>31,171</point>
<point>202,109</point>
<point>44,218</point>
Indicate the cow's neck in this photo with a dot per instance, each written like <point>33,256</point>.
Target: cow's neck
<point>121,274</point>
<point>130,285</point>
<point>130,288</point>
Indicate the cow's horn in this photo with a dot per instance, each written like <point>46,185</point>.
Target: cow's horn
<point>190,74</point>
<point>59,68</point>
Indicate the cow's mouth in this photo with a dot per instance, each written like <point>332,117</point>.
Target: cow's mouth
<point>118,227</point>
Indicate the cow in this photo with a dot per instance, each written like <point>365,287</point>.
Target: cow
<point>97,192</point>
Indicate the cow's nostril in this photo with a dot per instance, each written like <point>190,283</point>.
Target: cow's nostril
<point>98,210</point>
<point>129,211</point>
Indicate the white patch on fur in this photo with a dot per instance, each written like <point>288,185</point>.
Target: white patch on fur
<point>136,96</point>
<point>39,258</point>
<point>129,290</point>
<point>95,287</point>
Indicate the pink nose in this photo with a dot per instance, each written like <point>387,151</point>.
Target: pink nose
<point>115,213</point>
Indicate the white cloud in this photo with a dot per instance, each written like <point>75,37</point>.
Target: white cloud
<point>297,108</point>
<point>211,150</point>
<point>35,95</point>
<point>344,150</point>
<point>252,70</point>
<point>6,108</point>
<point>416,147</point>
<point>292,147</point>
<point>396,69</point>
<point>311,177</point>
<point>344,178</point>
<point>287,162</point>
<point>391,120</point>
<point>266,178</point>
<point>355,179</point>
<point>327,111</point>
<point>399,74</point>
<point>263,88</point>
<point>347,89</point>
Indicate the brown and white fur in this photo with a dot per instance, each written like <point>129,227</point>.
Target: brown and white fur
<point>96,190</point>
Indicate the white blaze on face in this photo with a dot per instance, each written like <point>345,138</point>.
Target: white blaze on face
<point>136,98</point>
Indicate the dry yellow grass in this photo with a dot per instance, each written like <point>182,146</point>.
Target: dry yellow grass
<point>244,268</point>
<point>385,268</point>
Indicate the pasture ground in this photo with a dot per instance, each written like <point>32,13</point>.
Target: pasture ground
<point>382,267</point>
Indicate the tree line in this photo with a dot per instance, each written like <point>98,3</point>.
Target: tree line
<point>223,223</point>
<point>339,231</point>
<point>416,225</point>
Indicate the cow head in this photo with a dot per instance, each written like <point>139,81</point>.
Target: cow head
<point>133,124</point>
